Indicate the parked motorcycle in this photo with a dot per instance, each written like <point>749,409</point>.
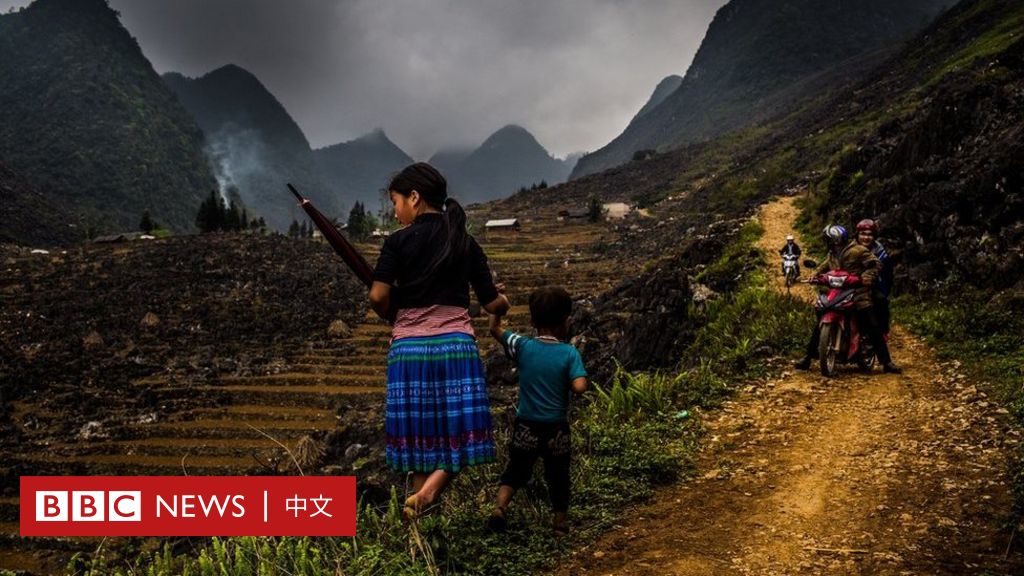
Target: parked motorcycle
<point>841,341</point>
<point>790,269</point>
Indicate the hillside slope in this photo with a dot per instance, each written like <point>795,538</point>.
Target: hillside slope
<point>760,58</point>
<point>85,118</point>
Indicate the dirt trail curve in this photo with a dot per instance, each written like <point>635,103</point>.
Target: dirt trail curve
<point>861,474</point>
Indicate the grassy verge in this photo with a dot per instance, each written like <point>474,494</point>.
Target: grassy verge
<point>631,435</point>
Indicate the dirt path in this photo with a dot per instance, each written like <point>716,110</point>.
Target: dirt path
<point>861,474</point>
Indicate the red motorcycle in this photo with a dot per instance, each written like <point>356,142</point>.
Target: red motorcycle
<point>840,340</point>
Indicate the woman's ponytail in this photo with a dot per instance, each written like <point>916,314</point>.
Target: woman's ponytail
<point>433,188</point>
<point>455,221</point>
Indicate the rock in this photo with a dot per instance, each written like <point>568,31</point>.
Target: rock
<point>150,320</point>
<point>353,451</point>
<point>93,341</point>
<point>702,293</point>
<point>92,430</point>
<point>339,329</point>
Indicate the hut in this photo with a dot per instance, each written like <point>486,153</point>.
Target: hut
<point>505,225</point>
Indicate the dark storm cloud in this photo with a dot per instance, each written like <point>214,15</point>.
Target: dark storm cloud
<point>435,73</point>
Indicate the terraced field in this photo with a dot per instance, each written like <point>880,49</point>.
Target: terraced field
<point>244,421</point>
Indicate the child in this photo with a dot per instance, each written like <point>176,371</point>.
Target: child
<point>437,415</point>
<point>548,370</point>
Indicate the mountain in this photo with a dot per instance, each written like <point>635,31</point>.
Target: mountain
<point>759,58</point>
<point>253,143</point>
<point>663,90</point>
<point>362,167</point>
<point>509,159</point>
<point>86,119</point>
<point>447,161</point>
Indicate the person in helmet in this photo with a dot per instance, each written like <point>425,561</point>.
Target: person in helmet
<point>867,236</point>
<point>844,254</point>
<point>791,248</point>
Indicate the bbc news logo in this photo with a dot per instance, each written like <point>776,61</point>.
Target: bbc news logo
<point>188,506</point>
<point>88,506</point>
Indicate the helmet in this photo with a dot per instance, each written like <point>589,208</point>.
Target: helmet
<point>835,235</point>
<point>867,224</point>
<point>789,237</point>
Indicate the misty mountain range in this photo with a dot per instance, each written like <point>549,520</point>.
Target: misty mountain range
<point>111,139</point>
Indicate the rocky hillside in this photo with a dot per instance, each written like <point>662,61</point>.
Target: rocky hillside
<point>362,167</point>
<point>86,120</point>
<point>28,217</point>
<point>77,326</point>
<point>508,160</point>
<point>945,178</point>
<point>254,144</point>
<point>662,91</point>
<point>760,58</point>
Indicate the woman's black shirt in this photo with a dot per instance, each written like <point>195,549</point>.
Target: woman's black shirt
<point>407,254</point>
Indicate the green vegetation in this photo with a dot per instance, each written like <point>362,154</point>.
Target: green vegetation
<point>111,140</point>
<point>748,325</point>
<point>989,44</point>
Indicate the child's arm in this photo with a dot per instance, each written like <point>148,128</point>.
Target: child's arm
<point>579,385</point>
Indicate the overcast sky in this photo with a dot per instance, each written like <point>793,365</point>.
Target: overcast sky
<point>434,73</point>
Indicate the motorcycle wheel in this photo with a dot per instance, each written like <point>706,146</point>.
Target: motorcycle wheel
<point>828,338</point>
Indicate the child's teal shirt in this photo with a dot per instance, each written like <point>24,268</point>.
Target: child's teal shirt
<point>546,372</point>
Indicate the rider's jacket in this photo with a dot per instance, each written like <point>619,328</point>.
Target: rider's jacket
<point>857,260</point>
<point>883,285</point>
<point>790,249</point>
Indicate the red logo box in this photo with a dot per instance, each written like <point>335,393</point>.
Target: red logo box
<point>188,506</point>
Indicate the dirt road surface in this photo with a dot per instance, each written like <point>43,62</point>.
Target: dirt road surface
<point>859,474</point>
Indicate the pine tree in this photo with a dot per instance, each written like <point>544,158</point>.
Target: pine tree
<point>303,230</point>
<point>357,221</point>
<point>146,225</point>
<point>293,230</point>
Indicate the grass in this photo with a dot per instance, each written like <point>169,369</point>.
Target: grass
<point>989,44</point>
<point>622,451</point>
<point>751,323</point>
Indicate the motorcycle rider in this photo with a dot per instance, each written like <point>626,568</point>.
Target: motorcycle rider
<point>867,236</point>
<point>791,248</point>
<point>855,259</point>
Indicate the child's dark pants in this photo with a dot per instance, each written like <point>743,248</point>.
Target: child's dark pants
<point>547,440</point>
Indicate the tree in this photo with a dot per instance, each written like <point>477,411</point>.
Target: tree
<point>357,221</point>
<point>595,211</point>
<point>146,225</point>
<point>293,230</point>
<point>303,231</point>
<point>211,215</point>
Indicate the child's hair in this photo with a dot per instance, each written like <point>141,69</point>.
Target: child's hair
<point>550,306</point>
<point>433,188</point>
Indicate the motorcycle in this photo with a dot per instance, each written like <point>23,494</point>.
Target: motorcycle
<point>790,269</point>
<point>841,342</point>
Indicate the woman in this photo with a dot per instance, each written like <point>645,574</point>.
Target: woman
<point>438,418</point>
